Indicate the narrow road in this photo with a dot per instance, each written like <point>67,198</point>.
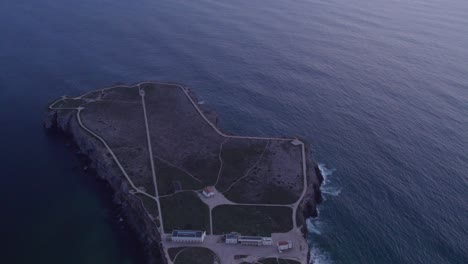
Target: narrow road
<point>150,150</point>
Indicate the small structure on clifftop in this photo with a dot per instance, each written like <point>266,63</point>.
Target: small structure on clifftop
<point>296,142</point>
<point>284,245</point>
<point>208,191</point>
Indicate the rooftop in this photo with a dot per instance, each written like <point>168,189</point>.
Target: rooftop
<point>256,238</point>
<point>232,235</point>
<point>187,233</point>
<point>209,189</point>
<point>296,142</point>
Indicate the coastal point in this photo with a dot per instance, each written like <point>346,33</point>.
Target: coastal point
<point>193,193</point>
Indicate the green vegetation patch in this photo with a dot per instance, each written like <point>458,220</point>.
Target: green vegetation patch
<point>184,210</point>
<point>278,261</point>
<point>69,103</point>
<point>93,95</point>
<point>275,178</point>
<point>269,261</point>
<point>252,220</point>
<point>170,178</point>
<point>122,93</point>
<point>195,255</point>
<point>238,155</point>
<point>180,135</point>
<point>173,252</point>
<point>269,194</point>
<point>135,161</point>
<point>121,124</point>
<point>205,168</point>
<point>149,203</point>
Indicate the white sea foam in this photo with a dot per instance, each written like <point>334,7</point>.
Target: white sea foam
<point>326,187</point>
<point>326,172</point>
<point>201,102</point>
<point>333,191</point>
<point>318,256</point>
<point>313,226</point>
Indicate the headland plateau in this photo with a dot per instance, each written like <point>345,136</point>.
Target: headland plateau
<point>191,192</point>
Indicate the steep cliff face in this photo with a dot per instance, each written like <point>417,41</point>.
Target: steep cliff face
<point>313,197</point>
<point>308,206</point>
<point>65,121</point>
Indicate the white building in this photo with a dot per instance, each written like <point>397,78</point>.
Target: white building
<point>236,238</point>
<point>296,142</point>
<point>191,236</point>
<point>255,241</point>
<point>208,192</point>
<point>267,241</point>
<point>232,238</point>
<point>284,245</point>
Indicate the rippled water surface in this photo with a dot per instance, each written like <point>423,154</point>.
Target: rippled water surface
<point>379,88</point>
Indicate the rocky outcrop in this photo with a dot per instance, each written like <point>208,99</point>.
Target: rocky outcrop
<point>99,159</point>
<point>313,197</point>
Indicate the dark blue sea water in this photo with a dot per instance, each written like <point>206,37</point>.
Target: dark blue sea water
<point>378,87</point>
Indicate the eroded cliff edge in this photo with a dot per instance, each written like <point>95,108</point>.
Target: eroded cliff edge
<point>146,225</point>
<point>97,157</point>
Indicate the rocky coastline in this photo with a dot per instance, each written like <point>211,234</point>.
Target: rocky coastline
<point>94,157</point>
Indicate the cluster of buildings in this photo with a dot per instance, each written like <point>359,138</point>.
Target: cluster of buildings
<point>197,236</point>
<point>236,238</point>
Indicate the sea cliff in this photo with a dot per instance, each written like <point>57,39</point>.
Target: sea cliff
<point>98,159</point>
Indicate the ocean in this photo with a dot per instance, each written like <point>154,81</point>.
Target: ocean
<point>379,88</point>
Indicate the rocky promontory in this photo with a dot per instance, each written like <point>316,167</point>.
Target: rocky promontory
<point>158,149</point>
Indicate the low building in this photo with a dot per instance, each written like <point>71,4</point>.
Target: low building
<point>232,238</point>
<point>190,236</point>
<point>267,241</point>
<point>296,142</point>
<point>208,192</point>
<point>255,241</point>
<point>284,245</point>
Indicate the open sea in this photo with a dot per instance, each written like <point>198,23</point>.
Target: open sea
<point>378,87</point>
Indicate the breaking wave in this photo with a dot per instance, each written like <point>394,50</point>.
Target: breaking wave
<point>326,187</point>
<point>314,225</point>
<point>319,256</point>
